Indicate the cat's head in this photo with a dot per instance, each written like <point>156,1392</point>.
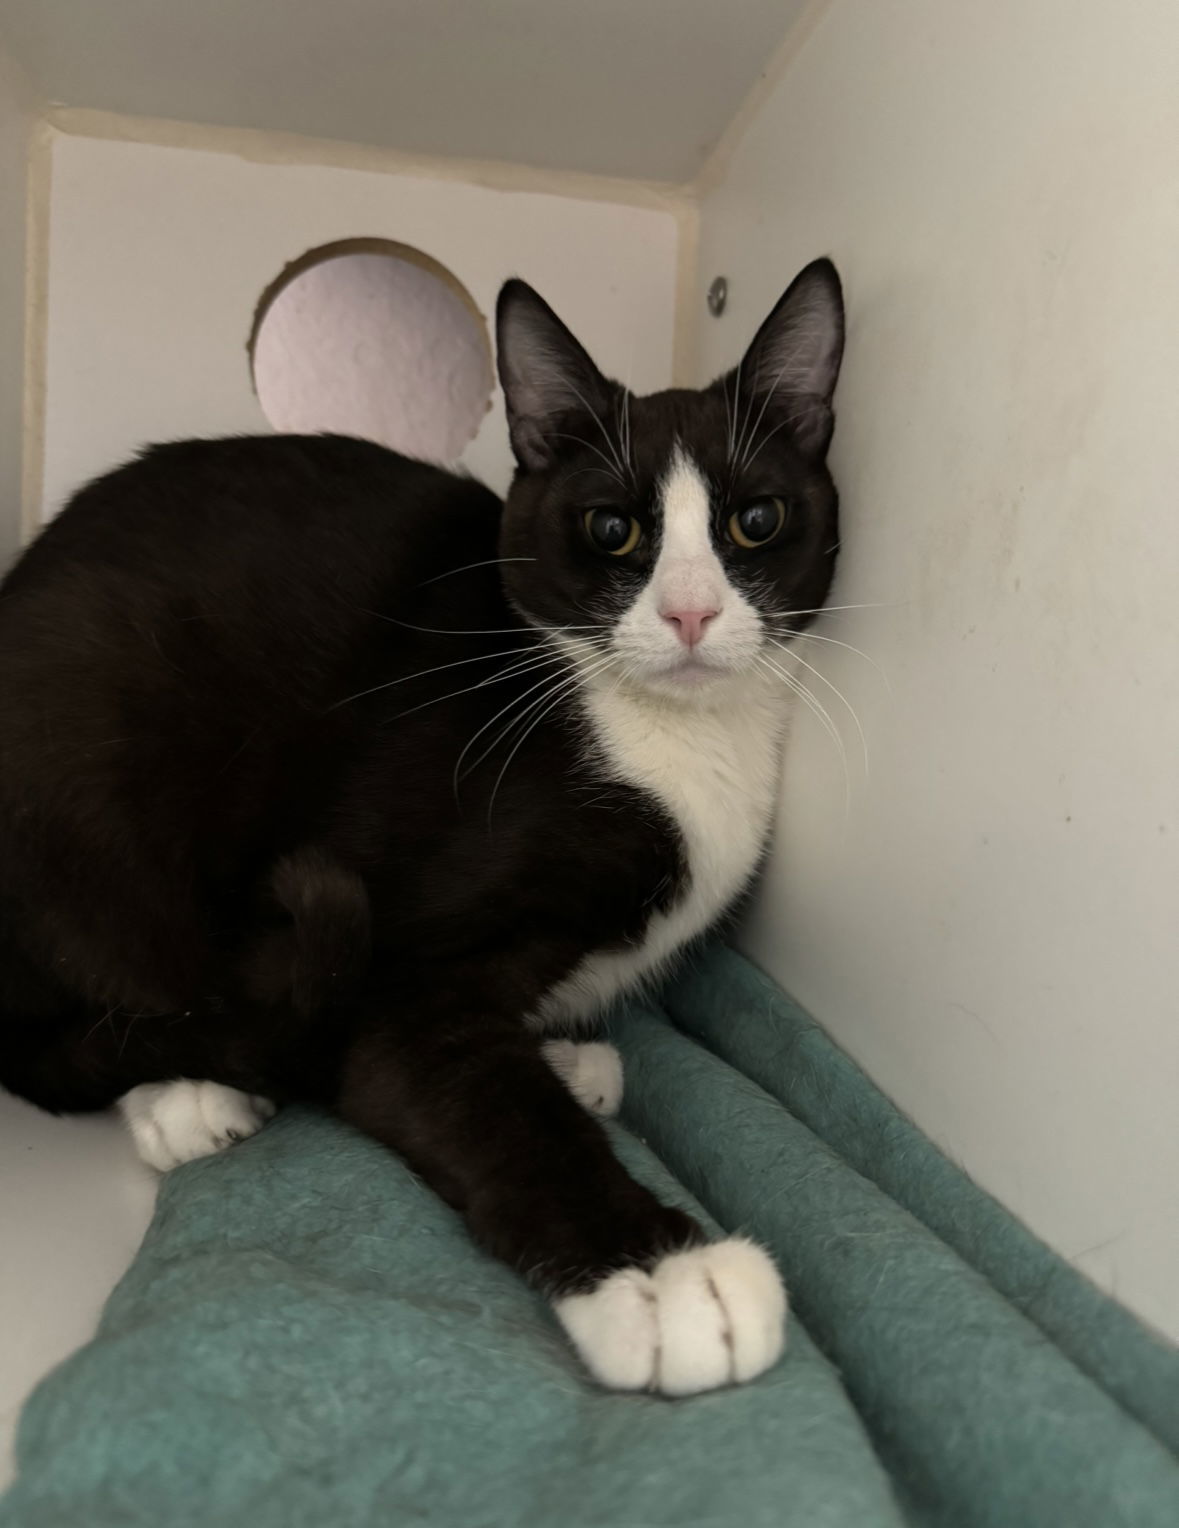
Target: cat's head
<point>672,538</point>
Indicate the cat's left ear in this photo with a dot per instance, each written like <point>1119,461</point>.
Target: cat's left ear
<point>547,377</point>
<point>791,368</point>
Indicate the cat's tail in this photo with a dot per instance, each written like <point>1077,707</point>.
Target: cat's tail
<point>329,908</point>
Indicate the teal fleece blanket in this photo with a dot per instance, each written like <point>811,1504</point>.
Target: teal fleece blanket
<point>307,1337</point>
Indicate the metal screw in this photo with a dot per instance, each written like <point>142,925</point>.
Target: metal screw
<point>718,295</point>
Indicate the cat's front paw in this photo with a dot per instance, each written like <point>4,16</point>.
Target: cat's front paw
<point>175,1122</point>
<point>699,1319</point>
<point>592,1072</point>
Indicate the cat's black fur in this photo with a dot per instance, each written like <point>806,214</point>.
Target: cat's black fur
<point>232,841</point>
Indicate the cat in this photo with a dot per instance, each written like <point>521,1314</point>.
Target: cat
<point>325,775</point>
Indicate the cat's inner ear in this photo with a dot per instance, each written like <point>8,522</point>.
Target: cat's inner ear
<point>789,372</point>
<point>547,377</point>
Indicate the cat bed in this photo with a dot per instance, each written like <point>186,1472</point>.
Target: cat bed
<point>308,1338</point>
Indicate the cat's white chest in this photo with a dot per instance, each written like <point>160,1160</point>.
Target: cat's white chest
<point>715,772</point>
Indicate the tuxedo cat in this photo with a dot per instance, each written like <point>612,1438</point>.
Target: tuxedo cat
<point>325,775</point>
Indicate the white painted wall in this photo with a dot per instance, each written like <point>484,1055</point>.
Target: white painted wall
<point>16,125</point>
<point>992,931</point>
<point>158,255</point>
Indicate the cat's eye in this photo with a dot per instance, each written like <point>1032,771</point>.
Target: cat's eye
<point>758,522</point>
<point>612,531</point>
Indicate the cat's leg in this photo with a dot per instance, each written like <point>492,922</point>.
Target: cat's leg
<point>591,1070</point>
<point>176,1122</point>
<point>472,1105</point>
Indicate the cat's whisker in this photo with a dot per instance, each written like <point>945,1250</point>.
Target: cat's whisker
<point>626,672</point>
<point>736,408</point>
<point>576,663</point>
<point>810,668</point>
<point>787,615</point>
<point>749,433</point>
<point>597,418</point>
<point>793,683</point>
<point>605,624</point>
<point>751,456</point>
<point>578,471</point>
<point>748,437</point>
<point>626,400</point>
<point>728,418</point>
<point>477,631</point>
<point>581,669</point>
<point>515,724</point>
<point>467,566</point>
<point>815,636</point>
<point>562,690</point>
<point>459,772</point>
<point>437,669</point>
<point>524,664</point>
<point>739,442</point>
<point>107,1018</point>
<point>614,471</point>
<point>517,670</point>
<point>816,705</point>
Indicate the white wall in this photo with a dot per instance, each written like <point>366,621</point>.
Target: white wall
<point>16,124</point>
<point>992,931</point>
<point>158,255</point>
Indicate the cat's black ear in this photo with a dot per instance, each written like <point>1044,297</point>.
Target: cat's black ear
<point>792,365</point>
<point>546,375</point>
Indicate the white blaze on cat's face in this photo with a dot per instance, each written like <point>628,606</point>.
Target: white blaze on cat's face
<point>688,625</point>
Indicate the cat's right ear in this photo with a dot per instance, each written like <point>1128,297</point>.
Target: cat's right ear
<point>546,375</point>
<point>789,372</point>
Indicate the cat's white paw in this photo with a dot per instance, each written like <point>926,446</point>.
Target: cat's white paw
<point>592,1073</point>
<point>175,1122</point>
<point>699,1319</point>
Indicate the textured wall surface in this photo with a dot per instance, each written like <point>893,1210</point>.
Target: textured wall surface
<point>368,344</point>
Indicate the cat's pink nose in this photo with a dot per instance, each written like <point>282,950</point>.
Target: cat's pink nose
<point>689,624</point>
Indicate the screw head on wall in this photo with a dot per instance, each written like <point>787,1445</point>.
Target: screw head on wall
<point>718,295</point>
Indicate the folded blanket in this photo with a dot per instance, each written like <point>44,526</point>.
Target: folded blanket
<point>307,1336</point>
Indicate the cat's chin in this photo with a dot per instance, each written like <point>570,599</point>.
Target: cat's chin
<point>689,681</point>
<point>694,676</point>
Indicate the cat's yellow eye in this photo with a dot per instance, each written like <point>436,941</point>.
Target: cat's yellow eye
<point>612,531</point>
<point>757,523</point>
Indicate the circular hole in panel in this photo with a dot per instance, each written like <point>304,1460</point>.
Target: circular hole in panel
<point>368,337</point>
